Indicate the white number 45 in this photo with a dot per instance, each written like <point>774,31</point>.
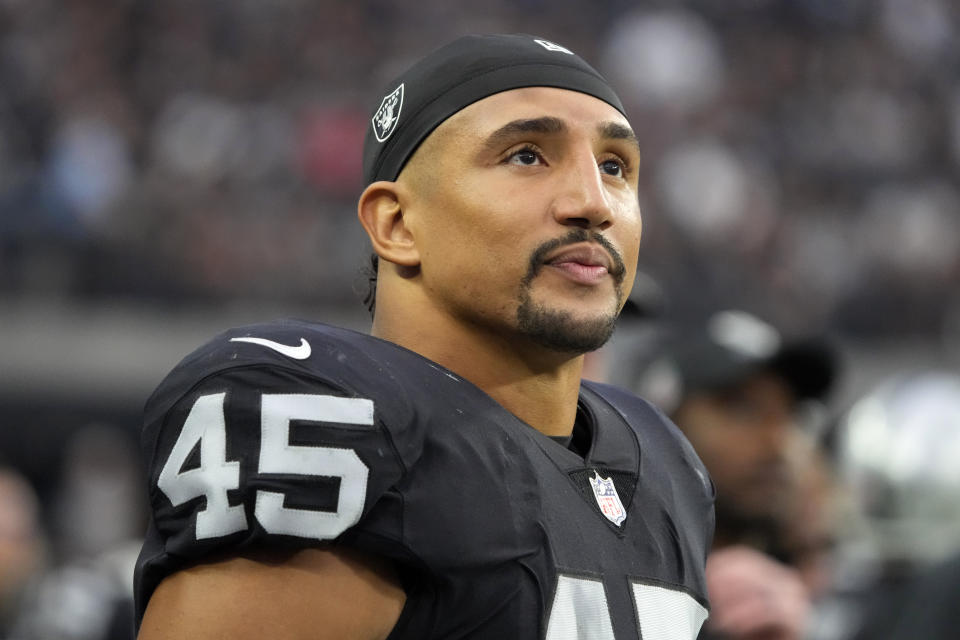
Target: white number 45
<point>206,425</point>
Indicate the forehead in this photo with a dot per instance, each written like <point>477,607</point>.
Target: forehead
<point>574,108</point>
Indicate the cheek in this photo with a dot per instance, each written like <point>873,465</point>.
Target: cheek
<point>628,222</point>
<point>473,226</point>
<point>472,249</point>
<point>633,229</point>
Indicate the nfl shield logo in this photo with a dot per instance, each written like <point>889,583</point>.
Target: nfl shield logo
<point>607,499</point>
<point>385,119</point>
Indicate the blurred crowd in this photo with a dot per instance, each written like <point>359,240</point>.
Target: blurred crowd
<point>801,156</point>
<point>835,520</point>
<point>801,161</point>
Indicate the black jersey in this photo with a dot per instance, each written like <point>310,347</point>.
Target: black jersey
<point>294,434</point>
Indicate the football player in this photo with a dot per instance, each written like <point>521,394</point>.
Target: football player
<point>450,475</point>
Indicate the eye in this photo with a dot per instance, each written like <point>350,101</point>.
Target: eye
<point>613,167</point>
<point>527,156</point>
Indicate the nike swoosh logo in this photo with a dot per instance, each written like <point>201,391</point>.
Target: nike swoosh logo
<point>297,352</point>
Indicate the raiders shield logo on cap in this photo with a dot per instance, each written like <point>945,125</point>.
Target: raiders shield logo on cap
<point>385,119</point>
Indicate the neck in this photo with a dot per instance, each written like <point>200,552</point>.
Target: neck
<point>538,385</point>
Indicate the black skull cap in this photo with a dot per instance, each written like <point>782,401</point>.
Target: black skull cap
<point>459,74</point>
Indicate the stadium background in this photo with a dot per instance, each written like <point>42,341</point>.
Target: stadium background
<point>170,169</point>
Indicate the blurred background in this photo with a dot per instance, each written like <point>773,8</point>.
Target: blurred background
<point>170,169</point>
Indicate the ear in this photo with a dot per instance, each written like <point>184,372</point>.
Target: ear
<point>382,217</point>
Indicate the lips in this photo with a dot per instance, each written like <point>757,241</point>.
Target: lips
<point>583,263</point>
<point>587,255</point>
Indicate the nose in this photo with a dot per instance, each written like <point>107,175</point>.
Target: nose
<point>581,198</point>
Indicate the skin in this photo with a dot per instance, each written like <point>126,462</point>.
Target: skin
<point>754,597</point>
<point>495,228</point>
<point>259,596</point>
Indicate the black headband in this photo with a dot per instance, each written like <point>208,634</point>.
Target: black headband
<point>459,74</point>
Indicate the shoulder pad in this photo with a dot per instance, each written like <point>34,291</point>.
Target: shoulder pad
<point>337,357</point>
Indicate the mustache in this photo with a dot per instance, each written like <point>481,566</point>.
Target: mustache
<point>576,236</point>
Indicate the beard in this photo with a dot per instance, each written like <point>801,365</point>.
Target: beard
<point>557,329</point>
<point>560,331</point>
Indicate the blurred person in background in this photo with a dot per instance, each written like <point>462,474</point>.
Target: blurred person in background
<point>22,546</point>
<point>42,599</point>
<point>898,451</point>
<point>738,390</point>
<point>82,591</point>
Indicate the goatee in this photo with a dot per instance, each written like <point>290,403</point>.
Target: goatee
<point>560,330</point>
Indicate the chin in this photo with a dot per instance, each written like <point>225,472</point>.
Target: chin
<point>562,330</point>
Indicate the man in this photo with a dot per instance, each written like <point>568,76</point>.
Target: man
<point>450,476</point>
<point>736,389</point>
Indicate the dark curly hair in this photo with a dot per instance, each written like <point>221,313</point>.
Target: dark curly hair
<point>370,273</point>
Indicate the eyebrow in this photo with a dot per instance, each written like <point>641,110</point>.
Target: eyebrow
<point>546,124</point>
<point>551,125</point>
<point>617,131</point>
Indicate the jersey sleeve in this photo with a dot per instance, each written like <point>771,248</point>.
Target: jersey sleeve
<point>259,456</point>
